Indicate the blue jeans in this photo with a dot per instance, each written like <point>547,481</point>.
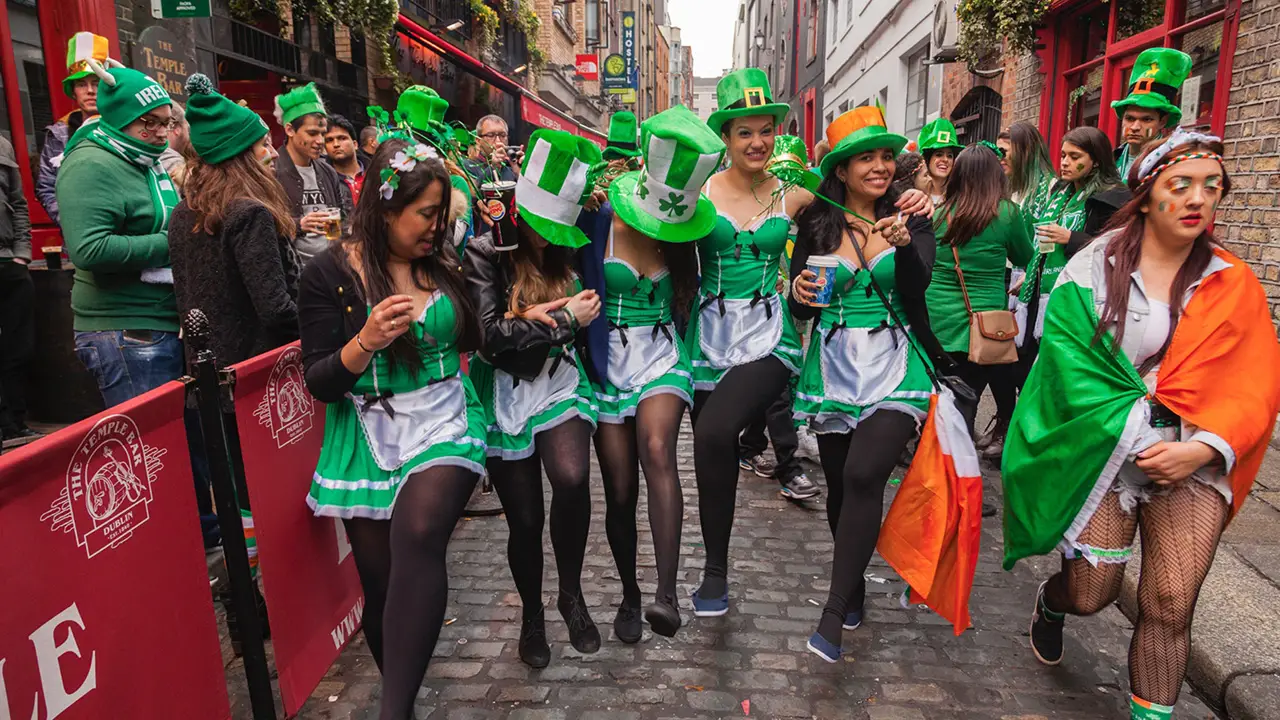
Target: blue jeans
<point>127,364</point>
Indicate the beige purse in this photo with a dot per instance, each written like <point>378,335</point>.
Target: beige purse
<point>991,332</point>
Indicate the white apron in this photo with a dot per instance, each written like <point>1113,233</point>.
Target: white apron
<point>516,401</point>
<point>743,334</point>
<point>861,367</point>
<point>415,421</point>
<point>644,358</point>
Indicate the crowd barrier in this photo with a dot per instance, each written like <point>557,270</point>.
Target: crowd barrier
<point>107,610</point>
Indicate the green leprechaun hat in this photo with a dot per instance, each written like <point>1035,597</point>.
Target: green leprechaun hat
<point>555,183</point>
<point>82,47</point>
<point>622,137</point>
<point>1157,76</point>
<point>938,134</point>
<point>859,130</point>
<point>664,200</point>
<point>423,110</point>
<point>297,102</point>
<point>744,93</point>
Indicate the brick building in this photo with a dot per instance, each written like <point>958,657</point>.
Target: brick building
<point>662,70</point>
<point>1233,91</point>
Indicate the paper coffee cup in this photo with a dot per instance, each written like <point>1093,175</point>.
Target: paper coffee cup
<point>499,203</point>
<point>824,267</point>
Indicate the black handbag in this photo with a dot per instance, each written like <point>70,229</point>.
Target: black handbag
<point>966,399</point>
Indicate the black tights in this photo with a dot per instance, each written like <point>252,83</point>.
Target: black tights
<point>406,587</point>
<point>719,416</point>
<point>1180,533</point>
<point>564,451</point>
<point>857,466</point>
<point>648,439</point>
<point>1002,379</point>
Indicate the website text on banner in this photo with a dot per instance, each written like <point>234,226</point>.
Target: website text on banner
<point>308,574</point>
<point>115,618</point>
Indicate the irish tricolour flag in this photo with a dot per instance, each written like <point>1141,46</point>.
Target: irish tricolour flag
<point>1083,407</point>
<point>930,536</point>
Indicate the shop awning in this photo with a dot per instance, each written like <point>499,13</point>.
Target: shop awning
<point>539,113</point>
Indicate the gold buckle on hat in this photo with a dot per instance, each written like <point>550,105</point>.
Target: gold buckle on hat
<point>753,97</point>
<point>944,136</point>
<point>1143,86</point>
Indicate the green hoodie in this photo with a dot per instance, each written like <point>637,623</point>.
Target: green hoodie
<point>108,220</point>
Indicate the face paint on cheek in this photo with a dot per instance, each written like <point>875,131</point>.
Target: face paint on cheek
<point>1080,167</point>
<point>1163,206</point>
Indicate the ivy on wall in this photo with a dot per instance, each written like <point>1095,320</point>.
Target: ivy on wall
<point>984,24</point>
<point>375,19</point>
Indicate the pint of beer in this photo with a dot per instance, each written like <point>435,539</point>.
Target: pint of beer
<point>333,224</point>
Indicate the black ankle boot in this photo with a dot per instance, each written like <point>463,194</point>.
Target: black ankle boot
<point>663,616</point>
<point>534,650</point>
<point>626,624</point>
<point>583,634</point>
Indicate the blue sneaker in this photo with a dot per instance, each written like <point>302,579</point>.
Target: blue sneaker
<point>712,607</point>
<point>852,620</point>
<point>819,646</point>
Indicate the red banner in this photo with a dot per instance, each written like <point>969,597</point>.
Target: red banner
<point>588,66</point>
<point>536,114</point>
<point>308,575</point>
<point>114,618</point>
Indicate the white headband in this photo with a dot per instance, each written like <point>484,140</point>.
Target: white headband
<point>1179,138</point>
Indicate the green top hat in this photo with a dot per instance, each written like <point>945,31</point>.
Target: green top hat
<point>744,93</point>
<point>82,47</point>
<point>1157,76</point>
<point>423,109</point>
<point>664,200</point>
<point>938,134</point>
<point>622,137</point>
<point>297,102</point>
<point>555,183</point>
<point>220,129</point>
<point>859,130</point>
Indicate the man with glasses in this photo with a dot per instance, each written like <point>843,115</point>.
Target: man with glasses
<point>491,161</point>
<point>81,85</point>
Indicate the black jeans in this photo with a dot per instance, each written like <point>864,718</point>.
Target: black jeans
<point>782,430</point>
<point>1002,379</point>
<point>17,341</point>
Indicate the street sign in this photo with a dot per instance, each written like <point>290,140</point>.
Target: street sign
<point>626,95</point>
<point>615,72</point>
<point>161,9</point>
<point>629,49</point>
<point>587,66</point>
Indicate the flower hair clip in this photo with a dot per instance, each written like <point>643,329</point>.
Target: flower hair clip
<point>404,161</point>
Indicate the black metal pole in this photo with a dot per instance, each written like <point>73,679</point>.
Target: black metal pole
<point>257,673</point>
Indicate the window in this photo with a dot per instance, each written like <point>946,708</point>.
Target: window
<point>884,97</point>
<point>33,83</point>
<point>833,13</point>
<point>848,13</point>
<point>917,91</point>
<point>830,117</point>
<point>844,107</point>
<point>811,51</point>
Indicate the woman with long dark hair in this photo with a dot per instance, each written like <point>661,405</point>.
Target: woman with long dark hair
<point>1026,163</point>
<point>1085,196</point>
<point>979,233</point>
<point>743,343</point>
<point>650,275</point>
<point>534,388</point>
<point>385,318</point>
<point>1149,409</point>
<point>865,386</point>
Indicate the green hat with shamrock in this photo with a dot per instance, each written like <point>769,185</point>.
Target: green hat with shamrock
<point>1157,77</point>
<point>124,94</point>
<point>744,93</point>
<point>938,134</point>
<point>297,102</point>
<point>220,129</point>
<point>554,184</point>
<point>82,47</point>
<point>622,137</point>
<point>664,200</point>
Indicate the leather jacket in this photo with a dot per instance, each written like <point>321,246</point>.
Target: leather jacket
<point>516,346</point>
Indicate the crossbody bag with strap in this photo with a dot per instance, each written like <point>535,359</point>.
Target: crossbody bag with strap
<point>991,332</point>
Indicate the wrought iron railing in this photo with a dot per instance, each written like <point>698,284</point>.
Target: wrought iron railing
<point>441,15</point>
<point>257,45</point>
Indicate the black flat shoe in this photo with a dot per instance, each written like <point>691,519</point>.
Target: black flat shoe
<point>1046,634</point>
<point>663,617</point>
<point>583,634</point>
<point>534,650</point>
<point>626,625</point>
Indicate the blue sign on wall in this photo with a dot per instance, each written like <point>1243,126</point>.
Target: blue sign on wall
<point>629,48</point>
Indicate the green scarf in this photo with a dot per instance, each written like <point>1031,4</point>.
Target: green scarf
<point>1063,205</point>
<point>1125,163</point>
<point>164,195</point>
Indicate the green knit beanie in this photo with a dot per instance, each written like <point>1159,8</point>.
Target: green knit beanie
<point>124,95</point>
<point>220,129</point>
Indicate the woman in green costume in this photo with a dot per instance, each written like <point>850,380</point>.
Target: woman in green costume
<point>538,403</point>
<point>984,232</point>
<point>865,386</point>
<point>650,274</point>
<point>384,319</point>
<point>742,342</point>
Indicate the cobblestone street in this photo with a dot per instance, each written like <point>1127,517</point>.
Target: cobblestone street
<point>903,664</point>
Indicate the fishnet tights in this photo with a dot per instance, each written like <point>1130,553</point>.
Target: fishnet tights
<point>1180,534</point>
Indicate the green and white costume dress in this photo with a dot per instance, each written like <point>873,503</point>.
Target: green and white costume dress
<point>858,363</point>
<point>516,410</point>
<point>646,356</point>
<point>394,423</point>
<point>740,317</point>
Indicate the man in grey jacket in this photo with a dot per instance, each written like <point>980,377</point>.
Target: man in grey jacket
<point>81,85</point>
<point>17,330</point>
